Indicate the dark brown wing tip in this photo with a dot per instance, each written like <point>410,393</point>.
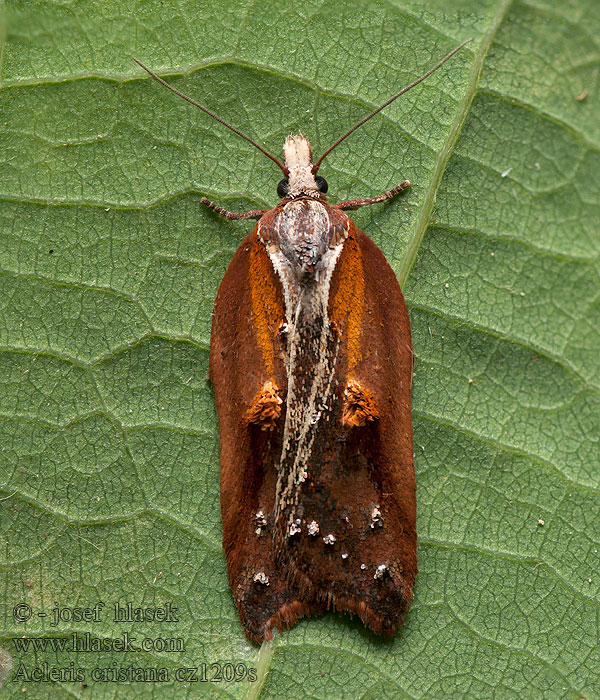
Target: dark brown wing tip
<point>378,624</point>
<point>290,613</point>
<point>284,618</point>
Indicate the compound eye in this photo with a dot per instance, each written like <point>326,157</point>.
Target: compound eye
<point>321,184</point>
<point>283,187</point>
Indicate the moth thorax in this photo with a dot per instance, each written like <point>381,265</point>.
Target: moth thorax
<point>298,161</point>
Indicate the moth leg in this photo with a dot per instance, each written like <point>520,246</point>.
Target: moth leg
<point>360,406</point>
<point>252,214</point>
<point>351,204</point>
<point>266,407</point>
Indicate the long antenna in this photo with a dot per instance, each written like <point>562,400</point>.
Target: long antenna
<point>385,104</point>
<point>213,115</point>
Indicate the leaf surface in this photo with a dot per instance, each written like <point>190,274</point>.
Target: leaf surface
<point>109,265</point>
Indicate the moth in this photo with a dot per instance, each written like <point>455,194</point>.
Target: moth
<point>311,364</point>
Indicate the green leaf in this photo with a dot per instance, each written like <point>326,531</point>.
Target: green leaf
<point>109,267</point>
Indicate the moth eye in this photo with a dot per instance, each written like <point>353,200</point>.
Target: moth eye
<point>321,184</point>
<point>283,187</point>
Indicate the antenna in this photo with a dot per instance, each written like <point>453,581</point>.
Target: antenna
<point>385,104</point>
<point>213,115</point>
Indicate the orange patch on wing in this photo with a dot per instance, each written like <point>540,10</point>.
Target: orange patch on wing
<point>359,405</point>
<point>266,305</point>
<point>266,407</point>
<point>348,304</point>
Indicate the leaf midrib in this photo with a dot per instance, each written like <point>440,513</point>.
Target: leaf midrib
<point>424,218</point>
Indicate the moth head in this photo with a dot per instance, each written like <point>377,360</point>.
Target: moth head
<point>300,180</point>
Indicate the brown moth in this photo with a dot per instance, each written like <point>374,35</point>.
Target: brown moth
<point>311,363</point>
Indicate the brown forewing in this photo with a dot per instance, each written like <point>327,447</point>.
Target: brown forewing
<point>238,371</point>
